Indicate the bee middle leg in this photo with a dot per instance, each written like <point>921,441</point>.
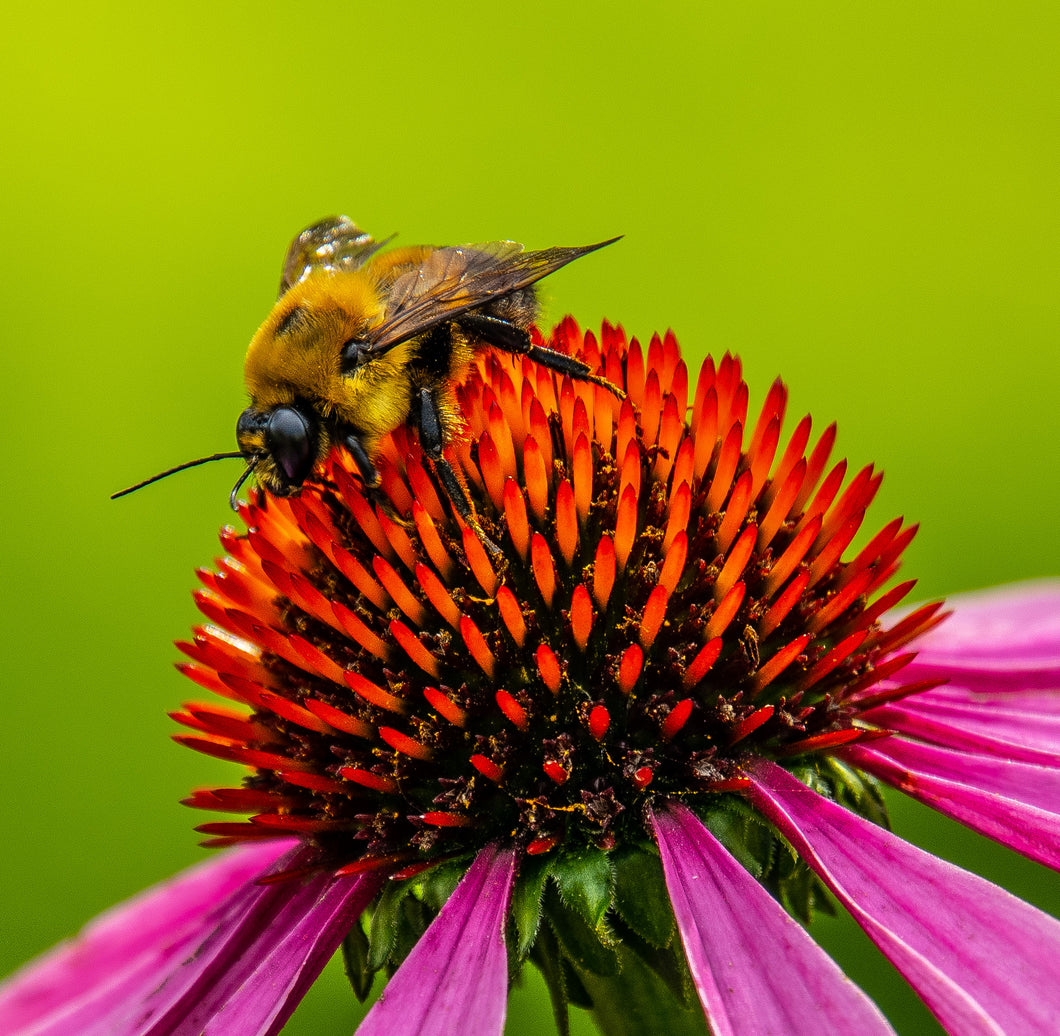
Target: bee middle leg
<point>432,439</point>
<point>503,334</point>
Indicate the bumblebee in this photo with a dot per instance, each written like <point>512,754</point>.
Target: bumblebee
<point>360,343</point>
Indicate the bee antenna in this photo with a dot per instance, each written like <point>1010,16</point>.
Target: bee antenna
<point>251,464</point>
<point>179,467</point>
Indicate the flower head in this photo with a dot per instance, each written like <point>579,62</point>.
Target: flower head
<point>664,678</point>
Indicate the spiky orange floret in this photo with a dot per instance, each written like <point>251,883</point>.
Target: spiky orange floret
<point>669,602</point>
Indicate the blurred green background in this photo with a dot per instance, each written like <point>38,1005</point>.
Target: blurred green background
<point>862,198</point>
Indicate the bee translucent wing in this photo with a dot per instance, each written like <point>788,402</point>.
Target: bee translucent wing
<point>450,281</point>
<point>335,243</point>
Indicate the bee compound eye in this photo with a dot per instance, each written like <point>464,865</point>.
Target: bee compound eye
<point>289,438</point>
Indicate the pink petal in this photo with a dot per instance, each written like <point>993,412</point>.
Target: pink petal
<point>210,952</point>
<point>985,727</point>
<point>982,960</point>
<point>455,980</point>
<point>1016,804</point>
<point>756,969</point>
<point>996,633</point>
<point>124,950</point>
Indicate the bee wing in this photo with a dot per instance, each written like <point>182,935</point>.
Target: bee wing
<point>335,243</point>
<point>451,281</point>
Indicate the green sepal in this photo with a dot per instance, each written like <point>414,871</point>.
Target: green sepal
<point>636,1002</point>
<point>640,896</point>
<point>413,917</point>
<point>668,962</point>
<point>439,883</point>
<point>355,960</point>
<point>383,931</point>
<point>586,882</point>
<point>588,948</point>
<point>525,909</point>
<point>548,957</point>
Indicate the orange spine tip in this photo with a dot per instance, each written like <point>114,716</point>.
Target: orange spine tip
<point>512,615</point>
<point>432,543</point>
<point>537,478</point>
<point>779,609</point>
<point>359,632</point>
<point>604,571</point>
<point>729,784</point>
<point>829,557</point>
<point>371,863</point>
<point>544,571</point>
<point>555,772</point>
<point>625,527</point>
<point>749,724</point>
<point>676,719</point>
<point>706,433</point>
<point>437,818</point>
<point>670,432</point>
<point>779,662</point>
<point>512,709</point>
<point>846,647</point>
<point>654,615</point>
<point>288,710</point>
<point>476,644</point>
<point>674,565</point>
<point>541,845</point>
<point>780,507</point>
<point>581,616</point>
<point>761,456</point>
<point>680,507</point>
<point>792,556</point>
<point>728,458</point>
<point>702,664</point>
<point>725,612</point>
<point>826,494</point>
<point>830,612</point>
<point>582,475</point>
<point>515,515</point>
<point>548,667</point>
<point>599,721</point>
<point>394,487</point>
<point>404,744</point>
<point>423,489</point>
<point>372,693</point>
<point>635,373</point>
<point>651,409</point>
<point>493,473</point>
<point>314,782</point>
<point>629,668</point>
<point>338,720</point>
<point>629,473</point>
<point>445,706</point>
<point>488,768</point>
<point>367,779</point>
<point>368,522</point>
<point>398,540</point>
<point>316,659</point>
<point>566,521</point>
<point>830,739</point>
<point>399,592</point>
<point>735,512</point>
<point>643,777</point>
<point>479,562</point>
<point>437,594</point>
<point>501,434</point>
<point>888,601</point>
<point>736,562</point>
<point>357,574</point>
<point>414,648</point>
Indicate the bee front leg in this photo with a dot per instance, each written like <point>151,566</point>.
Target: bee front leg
<point>432,439</point>
<point>369,474</point>
<point>503,334</point>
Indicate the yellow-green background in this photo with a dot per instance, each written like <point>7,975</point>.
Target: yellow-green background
<point>861,197</point>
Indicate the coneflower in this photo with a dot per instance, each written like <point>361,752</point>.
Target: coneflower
<point>628,748</point>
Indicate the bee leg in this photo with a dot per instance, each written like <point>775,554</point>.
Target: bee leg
<point>503,334</point>
<point>369,474</point>
<point>432,439</point>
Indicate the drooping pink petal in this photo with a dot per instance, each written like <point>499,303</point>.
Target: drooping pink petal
<point>456,977</point>
<point>123,952</point>
<point>756,969</point>
<point>1016,804</point>
<point>1001,639</point>
<point>986,725</point>
<point>982,960</point>
<point>235,956</point>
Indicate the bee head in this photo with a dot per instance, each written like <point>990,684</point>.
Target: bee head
<point>281,444</point>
